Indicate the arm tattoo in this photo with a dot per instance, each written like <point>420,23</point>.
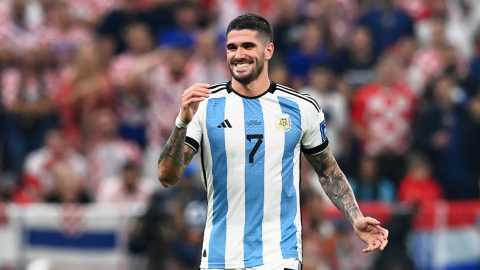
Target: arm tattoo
<point>335,184</point>
<point>175,153</point>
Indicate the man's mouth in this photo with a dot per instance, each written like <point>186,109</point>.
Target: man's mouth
<point>242,64</point>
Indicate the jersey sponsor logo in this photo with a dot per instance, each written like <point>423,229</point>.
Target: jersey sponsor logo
<point>323,130</point>
<point>284,123</point>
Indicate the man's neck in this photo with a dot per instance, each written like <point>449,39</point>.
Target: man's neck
<point>253,89</point>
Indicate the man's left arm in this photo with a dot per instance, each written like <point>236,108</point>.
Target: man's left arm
<point>340,193</point>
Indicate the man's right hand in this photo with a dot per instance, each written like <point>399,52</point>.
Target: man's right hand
<point>191,99</point>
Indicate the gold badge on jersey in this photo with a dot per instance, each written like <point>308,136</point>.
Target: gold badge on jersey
<point>284,123</point>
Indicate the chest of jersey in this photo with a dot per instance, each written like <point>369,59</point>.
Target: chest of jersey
<point>248,128</point>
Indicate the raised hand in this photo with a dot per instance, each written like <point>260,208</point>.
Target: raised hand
<point>191,99</point>
<point>369,230</point>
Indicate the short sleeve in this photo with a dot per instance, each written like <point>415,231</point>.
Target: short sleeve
<point>194,129</point>
<point>314,140</point>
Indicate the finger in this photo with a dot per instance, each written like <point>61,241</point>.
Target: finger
<point>382,231</point>
<point>196,92</point>
<point>194,100</point>
<point>384,244</point>
<point>372,221</point>
<point>370,247</point>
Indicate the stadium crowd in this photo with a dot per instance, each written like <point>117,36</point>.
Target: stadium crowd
<point>90,90</point>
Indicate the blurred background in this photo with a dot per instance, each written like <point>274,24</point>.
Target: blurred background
<point>90,90</point>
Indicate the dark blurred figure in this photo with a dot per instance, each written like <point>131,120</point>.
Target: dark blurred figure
<point>187,21</point>
<point>439,135</point>
<point>387,23</point>
<point>166,236</point>
<point>311,51</point>
<point>28,91</point>
<point>287,32</point>
<point>473,80</point>
<point>419,186</point>
<point>382,115</point>
<point>471,136</point>
<point>69,188</point>
<point>356,63</point>
<point>188,245</point>
<point>395,257</point>
<point>114,23</point>
<point>369,184</point>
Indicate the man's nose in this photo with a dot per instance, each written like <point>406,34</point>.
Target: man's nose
<point>240,53</point>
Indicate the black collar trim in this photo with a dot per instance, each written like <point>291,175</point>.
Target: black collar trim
<point>271,89</point>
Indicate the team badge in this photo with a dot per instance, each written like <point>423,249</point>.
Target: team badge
<point>284,123</point>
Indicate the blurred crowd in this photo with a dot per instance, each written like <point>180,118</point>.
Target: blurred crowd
<point>90,90</point>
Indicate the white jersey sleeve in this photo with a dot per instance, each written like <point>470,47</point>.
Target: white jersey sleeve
<point>194,129</point>
<point>314,140</point>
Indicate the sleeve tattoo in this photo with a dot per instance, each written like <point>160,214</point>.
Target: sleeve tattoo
<point>175,154</point>
<point>335,184</point>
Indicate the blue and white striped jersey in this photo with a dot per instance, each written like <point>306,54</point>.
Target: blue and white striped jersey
<point>250,152</point>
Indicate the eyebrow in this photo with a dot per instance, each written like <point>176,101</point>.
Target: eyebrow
<point>232,45</point>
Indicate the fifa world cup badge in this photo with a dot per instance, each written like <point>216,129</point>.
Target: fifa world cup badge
<point>284,123</point>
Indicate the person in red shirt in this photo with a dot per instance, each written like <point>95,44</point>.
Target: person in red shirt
<point>382,114</point>
<point>418,186</point>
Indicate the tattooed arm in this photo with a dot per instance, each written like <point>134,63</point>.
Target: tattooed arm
<point>335,184</point>
<point>175,155</point>
<point>174,158</point>
<point>340,193</point>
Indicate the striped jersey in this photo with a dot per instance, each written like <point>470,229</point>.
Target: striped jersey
<point>250,152</point>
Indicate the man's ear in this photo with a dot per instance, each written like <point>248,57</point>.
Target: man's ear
<point>269,51</point>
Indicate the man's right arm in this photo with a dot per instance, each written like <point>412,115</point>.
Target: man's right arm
<point>175,155</point>
<point>174,158</point>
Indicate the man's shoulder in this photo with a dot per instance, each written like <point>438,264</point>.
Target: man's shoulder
<point>302,99</point>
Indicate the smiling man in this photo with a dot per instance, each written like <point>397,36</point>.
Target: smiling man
<point>250,131</point>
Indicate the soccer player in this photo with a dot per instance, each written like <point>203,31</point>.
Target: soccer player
<point>251,131</point>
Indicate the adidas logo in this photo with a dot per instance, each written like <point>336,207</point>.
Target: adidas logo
<point>225,124</point>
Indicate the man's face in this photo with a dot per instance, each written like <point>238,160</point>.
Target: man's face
<point>246,55</point>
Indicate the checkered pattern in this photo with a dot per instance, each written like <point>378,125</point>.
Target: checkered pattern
<point>386,115</point>
<point>72,219</point>
<point>429,61</point>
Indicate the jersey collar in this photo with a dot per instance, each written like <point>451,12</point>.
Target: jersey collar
<point>271,89</point>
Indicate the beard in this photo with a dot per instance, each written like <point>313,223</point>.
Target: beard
<point>248,78</point>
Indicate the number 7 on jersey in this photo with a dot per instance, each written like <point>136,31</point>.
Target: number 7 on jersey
<point>259,137</point>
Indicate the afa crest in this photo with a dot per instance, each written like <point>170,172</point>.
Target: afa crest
<point>284,123</point>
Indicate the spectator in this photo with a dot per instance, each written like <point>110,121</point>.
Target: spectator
<point>187,17</point>
<point>439,136</point>
<point>356,63</point>
<point>128,188</point>
<point>370,185</point>
<point>188,247</point>
<point>418,186</point>
<point>334,106</point>
<point>106,151</point>
<point>320,235</point>
<point>382,115</point>
<point>387,23</point>
<point>39,165</point>
<point>86,88</point>
<point>311,51</point>
<point>287,31</point>
<point>69,188</point>
<point>62,34</point>
<point>471,136</point>
<point>131,93</point>
<point>115,22</point>
<point>27,97</point>
<point>207,63</point>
